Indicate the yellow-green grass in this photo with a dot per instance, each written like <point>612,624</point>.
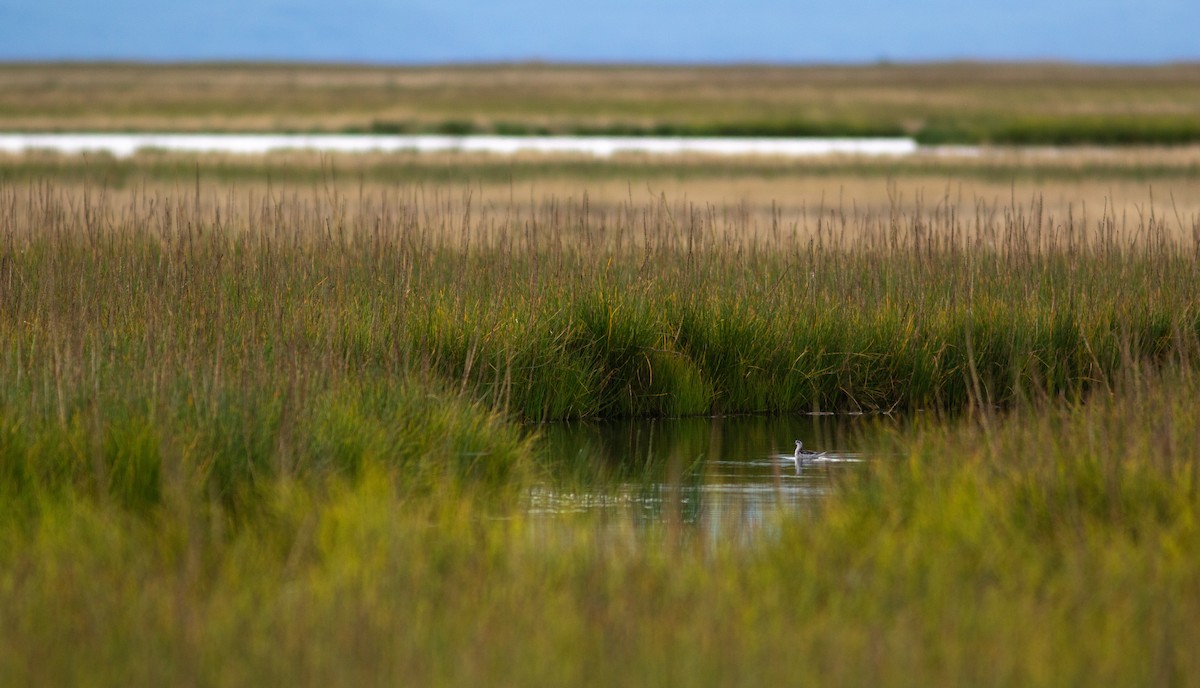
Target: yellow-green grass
<point>274,335</point>
<point>563,309</point>
<point>276,433</point>
<point>1053,546</point>
<point>952,102</point>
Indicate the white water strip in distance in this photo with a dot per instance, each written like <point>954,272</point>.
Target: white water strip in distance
<point>123,145</point>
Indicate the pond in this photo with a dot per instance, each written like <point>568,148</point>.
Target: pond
<point>122,145</point>
<point>723,474</point>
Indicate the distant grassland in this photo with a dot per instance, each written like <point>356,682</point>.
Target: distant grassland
<point>936,103</point>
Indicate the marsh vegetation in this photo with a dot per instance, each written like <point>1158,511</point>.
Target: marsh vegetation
<point>284,430</point>
<point>296,418</point>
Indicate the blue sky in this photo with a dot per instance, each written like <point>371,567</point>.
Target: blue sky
<point>431,31</point>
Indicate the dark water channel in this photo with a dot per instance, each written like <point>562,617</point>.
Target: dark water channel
<point>721,474</point>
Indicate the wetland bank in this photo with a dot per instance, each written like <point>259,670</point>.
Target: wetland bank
<point>285,418</point>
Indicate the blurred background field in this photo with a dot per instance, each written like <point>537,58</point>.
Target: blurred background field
<point>964,102</point>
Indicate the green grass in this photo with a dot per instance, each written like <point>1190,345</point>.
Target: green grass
<point>569,311</point>
<point>785,128</point>
<point>1051,547</point>
<point>1112,130</point>
<point>283,438</point>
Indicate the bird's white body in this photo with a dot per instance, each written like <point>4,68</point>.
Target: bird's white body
<point>804,456</point>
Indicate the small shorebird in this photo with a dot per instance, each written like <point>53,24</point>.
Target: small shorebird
<point>803,456</point>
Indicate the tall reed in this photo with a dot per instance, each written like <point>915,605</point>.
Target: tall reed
<point>567,309</point>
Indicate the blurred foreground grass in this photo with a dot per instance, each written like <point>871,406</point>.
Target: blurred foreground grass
<point>1053,546</point>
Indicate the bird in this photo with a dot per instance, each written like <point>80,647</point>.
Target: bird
<point>803,456</point>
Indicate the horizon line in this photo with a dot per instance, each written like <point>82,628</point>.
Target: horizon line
<point>613,64</point>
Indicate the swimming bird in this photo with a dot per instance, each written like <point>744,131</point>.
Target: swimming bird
<point>803,456</point>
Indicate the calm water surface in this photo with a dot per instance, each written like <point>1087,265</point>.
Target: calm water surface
<point>121,144</point>
<point>722,474</point>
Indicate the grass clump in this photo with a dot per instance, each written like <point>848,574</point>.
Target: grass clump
<point>139,458</point>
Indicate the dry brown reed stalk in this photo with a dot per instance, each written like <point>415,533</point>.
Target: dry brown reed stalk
<point>706,215</point>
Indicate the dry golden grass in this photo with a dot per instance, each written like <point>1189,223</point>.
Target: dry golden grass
<point>803,199</point>
<point>1129,184</point>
